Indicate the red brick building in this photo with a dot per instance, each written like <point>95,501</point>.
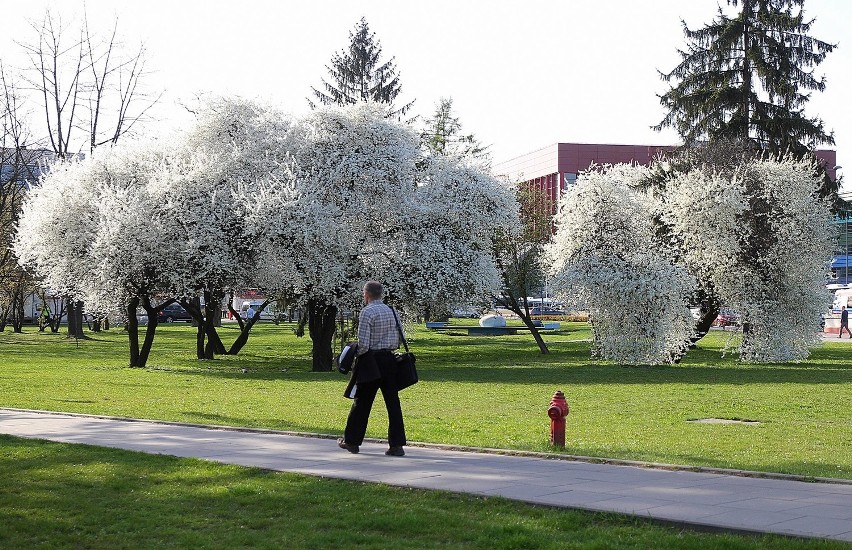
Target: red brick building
<point>553,168</point>
<point>547,172</point>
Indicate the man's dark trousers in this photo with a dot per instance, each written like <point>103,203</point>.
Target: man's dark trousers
<point>356,424</point>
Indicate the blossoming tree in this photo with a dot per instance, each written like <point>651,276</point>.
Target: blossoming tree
<point>605,260</point>
<point>635,255</point>
<point>763,237</point>
<point>234,145</point>
<point>113,255</point>
<point>359,206</point>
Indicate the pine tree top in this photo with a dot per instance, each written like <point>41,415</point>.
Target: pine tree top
<point>356,73</point>
<point>748,77</point>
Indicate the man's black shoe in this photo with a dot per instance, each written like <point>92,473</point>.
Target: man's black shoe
<point>395,451</point>
<point>344,445</point>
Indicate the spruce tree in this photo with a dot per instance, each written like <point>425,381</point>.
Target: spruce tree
<point>442,135</point>
<point>356,74</point>
<point>748,78</point>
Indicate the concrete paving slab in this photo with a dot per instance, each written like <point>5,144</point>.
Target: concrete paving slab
<point>524,492</point>
<point>679,511</point>
<point>767,504</point>
<point>756,520</point>
<point>827,511</point>
<point>572,499</point>
<point>719,500</point>
<point>629,505</point>
<point>811,526</point>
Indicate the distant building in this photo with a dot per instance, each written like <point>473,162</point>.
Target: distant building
<point>841,263</point>
<point>549,171</point>
<point>22,165</point>
<point>554,168</point>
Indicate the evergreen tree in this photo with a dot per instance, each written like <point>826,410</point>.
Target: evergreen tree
<point>356,74</point>
<point>748,78</point>
<point>442,135</point>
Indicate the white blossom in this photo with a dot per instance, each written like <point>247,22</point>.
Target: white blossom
<point>605,260</point>
<point>763,238</point>
<point>760,238</point>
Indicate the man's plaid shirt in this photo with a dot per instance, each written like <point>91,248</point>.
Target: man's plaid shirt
<point>377,328</point>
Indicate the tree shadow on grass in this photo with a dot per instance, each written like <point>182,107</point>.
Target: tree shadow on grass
<point>515,361</point>
<point>591,374</point>
<point>577,372</point>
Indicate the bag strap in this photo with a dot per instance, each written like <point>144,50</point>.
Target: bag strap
<point>399,330</point>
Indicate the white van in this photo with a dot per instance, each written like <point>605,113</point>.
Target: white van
<point>270,313</point>
<point>842,297</point>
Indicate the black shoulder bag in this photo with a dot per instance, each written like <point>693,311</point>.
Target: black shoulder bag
<point>406,372</point>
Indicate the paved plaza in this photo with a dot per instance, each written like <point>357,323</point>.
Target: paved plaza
<point>702,499</point>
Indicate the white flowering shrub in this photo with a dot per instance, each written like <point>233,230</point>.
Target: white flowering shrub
<point>605,259</point>
<point>764,239</point>
<point>761,238</point>
<point>246,197</point>
<point>56,227</point>
<point>356,206</point>
<point>446,253</point>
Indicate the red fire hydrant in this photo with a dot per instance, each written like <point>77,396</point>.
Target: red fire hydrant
<point>557,412</point>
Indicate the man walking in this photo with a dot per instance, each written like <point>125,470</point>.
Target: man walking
<point>844,322</point>
<point>375,370</point>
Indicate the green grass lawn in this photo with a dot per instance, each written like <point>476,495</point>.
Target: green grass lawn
<point>477,391</point>
<point>74,496</point>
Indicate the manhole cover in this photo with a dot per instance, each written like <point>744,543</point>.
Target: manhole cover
<point>723,421</point>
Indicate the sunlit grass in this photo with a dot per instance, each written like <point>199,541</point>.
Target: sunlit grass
<point>477,391</point>
<point>74,496</point>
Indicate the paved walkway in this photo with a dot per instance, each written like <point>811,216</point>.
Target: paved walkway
<point>710,500</point>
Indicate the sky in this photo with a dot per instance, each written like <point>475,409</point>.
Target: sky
<point>522,75</point>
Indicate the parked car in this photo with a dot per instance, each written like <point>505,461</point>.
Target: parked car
<point>727,318</point>
<point>269,313</point>
<point>467,312</point>
<point>172,313</point>
<point>543,310</point>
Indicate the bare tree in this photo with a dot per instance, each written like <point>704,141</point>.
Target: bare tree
<point>91,93</point>
<point>17,169</point>
<point>117,90</point>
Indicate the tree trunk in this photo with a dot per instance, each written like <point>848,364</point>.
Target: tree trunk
<point>534,331</point>
<point>18,311</point>
<point>133,331</point>
<point>702,327</point>
<point>212,319</point>
<point>150,330</point>
<point>72,319</point>
<point>522,311</point>
<point>321,326</point>
<point>147,343</point>
<point>245,328</point>
<point>75,319</point>
<point>199,341</point>
<point>207,340</point>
